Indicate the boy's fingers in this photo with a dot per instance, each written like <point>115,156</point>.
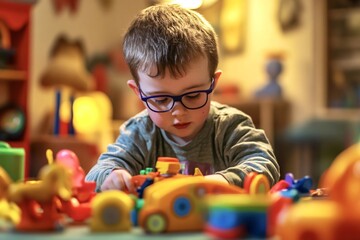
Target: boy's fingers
<point>129,185</point>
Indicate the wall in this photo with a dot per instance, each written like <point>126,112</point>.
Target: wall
<point>263,35</point>
<point>99,28</point>
<point>103,28</point>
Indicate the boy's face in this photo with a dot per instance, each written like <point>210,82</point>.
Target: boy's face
<point>181,123</point>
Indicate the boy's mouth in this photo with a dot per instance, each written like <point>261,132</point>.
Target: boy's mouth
<point>181,125</point>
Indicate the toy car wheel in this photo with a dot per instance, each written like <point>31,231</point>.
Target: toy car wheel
<point>155,223</point>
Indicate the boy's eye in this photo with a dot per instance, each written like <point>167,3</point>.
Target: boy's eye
<point>162,100</point>
<point>192,96</point>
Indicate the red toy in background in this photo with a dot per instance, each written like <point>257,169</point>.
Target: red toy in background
<point>59,192</point>
<point>39,200</point>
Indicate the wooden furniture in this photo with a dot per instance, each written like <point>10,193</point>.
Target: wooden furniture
<point>343,51</point>
<point>337,52</point>
<point>14,73</point>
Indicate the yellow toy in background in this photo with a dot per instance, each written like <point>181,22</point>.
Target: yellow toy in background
<point>111,212</point>
<point>54,180</point>
<point>9,211</point>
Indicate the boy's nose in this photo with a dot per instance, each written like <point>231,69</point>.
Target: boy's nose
<point>178,109</point>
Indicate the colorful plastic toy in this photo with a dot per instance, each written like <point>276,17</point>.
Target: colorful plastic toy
<point>251,215</point>
<point>111,212</point>
<point>9,211</point>
<point>39,200</point>
<point>237,216</point>
<point>334,217</point>
<point>166,167</point>
<point>78,207</point>
<point>176,204</point>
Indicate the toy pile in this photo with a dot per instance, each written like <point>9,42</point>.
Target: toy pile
<point>289,209</point>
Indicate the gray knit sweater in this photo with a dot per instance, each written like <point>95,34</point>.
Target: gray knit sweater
<point>228,144</point>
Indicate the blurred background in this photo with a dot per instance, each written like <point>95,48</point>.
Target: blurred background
<point>292,65</point>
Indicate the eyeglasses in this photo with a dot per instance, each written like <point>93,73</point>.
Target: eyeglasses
<point>190,100</point>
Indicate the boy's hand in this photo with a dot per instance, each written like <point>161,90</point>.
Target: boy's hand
<point>216,177</point>
<point>119,179</point>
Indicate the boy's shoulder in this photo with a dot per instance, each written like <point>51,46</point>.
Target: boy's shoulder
<point>221,109</point>
<point>225,116</point>
<point>140,120</point>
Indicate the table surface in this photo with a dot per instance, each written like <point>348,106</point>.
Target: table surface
<point>84,232</point>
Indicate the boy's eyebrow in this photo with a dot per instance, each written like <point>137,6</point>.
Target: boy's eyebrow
<point>188,89</point>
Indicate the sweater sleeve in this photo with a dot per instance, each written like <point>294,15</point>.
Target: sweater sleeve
<point>244,149</point>
<point>129,151</point>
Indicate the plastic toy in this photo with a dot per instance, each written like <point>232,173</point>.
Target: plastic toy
<point>5,181</point>
<point>111,212</point>
<point>335,217</point>
<point>78,207</point>
<point>237,216</point>
<point>9,212</point>
<point>251,215</point>
<point>167,167</point>
<point>12,160</point>
<point>170,209</point>
<point>38,200</point>
<point>83,191</point>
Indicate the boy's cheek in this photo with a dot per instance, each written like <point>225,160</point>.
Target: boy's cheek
<point>157,118</point>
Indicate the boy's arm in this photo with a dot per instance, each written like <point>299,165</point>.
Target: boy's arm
<point>128,152</point>
<point>246,149</point>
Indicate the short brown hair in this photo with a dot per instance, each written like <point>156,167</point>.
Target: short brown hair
<point>169,37</point>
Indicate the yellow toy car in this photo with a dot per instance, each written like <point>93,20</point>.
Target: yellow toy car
<point>176,204</point>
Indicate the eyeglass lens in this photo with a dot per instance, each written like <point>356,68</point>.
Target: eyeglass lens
<point>190,101</point>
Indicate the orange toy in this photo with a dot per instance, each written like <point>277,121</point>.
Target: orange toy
<point>337,216</point>
<point>176,203</point>
<point>39,200</point>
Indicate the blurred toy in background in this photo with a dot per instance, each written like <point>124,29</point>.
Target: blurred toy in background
<point>111,211</point>
<point>78,208</point>
<point>9,211</point>
<point>81,109</point>
<point>338,215</point>
<point>274,68</point>
<point>6,51</point>
<point>12,122</point>
<point>303,185</point>
<point>66,72</point>
<point>38,200</point>
<point>251,215</point>
<point>13,161</point>
<point>59,192</point>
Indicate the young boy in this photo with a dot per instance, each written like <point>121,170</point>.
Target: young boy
<point>172,54</point>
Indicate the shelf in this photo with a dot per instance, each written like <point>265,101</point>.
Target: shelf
<point>339,13</point>
<point>12,75</point>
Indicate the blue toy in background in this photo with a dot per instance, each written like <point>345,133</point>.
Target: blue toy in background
<point>303,185</point>
<point>272,89</point>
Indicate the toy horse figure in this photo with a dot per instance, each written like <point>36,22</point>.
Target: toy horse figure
<point>39,200</point>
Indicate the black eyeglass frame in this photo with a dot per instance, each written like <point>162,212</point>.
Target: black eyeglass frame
<point>177,98</point>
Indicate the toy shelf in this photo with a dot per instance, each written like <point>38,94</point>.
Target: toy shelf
<point>15,30</point>
<point>12,75</point>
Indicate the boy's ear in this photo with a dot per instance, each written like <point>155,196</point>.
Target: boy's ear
<point>132,84</point>
<point>217,75</point>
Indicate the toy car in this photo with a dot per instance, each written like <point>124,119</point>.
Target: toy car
<point>170,209</point>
